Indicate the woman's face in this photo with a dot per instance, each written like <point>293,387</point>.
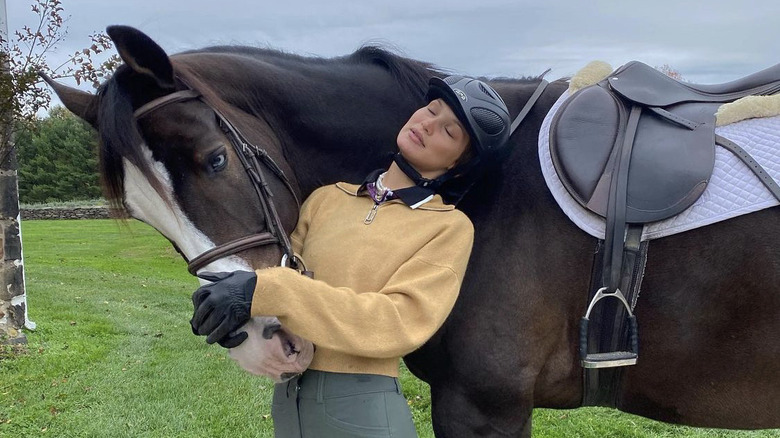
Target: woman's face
<point>433,139</point>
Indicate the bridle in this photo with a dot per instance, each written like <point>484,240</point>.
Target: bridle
<point>251,157</point>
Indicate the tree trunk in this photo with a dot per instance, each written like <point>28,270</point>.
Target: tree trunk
<point>13,300</point>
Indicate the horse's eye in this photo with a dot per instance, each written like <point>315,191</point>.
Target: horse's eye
<point>217,162</point>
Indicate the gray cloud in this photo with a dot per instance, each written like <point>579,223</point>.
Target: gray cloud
<point>707,42</point>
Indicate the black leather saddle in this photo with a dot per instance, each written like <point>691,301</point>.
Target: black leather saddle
<point>639,147</point>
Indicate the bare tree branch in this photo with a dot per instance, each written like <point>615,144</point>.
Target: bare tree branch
<point>22,94</point>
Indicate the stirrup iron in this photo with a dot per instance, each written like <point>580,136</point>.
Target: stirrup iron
<point>613,358</point>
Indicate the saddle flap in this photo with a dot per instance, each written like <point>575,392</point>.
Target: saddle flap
<point>584,132</point>
<point>669,166</point>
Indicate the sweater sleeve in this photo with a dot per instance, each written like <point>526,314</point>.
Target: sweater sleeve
<point>390,322</point>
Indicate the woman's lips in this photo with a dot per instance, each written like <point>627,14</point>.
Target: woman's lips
<point>416,137</point>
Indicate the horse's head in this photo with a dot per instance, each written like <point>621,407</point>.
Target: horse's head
<point>176,156</point>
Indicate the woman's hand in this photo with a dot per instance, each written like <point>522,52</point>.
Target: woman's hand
<point>223,306</point>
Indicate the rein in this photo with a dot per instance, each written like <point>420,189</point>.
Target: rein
<point>251,157</point>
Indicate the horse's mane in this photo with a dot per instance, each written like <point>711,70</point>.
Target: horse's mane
<point>119,135</point>
<point>411,75</point>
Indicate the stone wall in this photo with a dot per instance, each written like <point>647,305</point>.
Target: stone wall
<point>64,213</point>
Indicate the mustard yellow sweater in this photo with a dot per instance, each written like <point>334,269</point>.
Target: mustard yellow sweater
<point>379,290</point>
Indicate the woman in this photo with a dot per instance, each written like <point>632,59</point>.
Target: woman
<point>388,258</point>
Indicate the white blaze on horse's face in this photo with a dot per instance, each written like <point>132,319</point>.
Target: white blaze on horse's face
<point>145,204</point>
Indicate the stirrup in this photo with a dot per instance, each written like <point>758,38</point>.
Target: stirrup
<point>614,358</point>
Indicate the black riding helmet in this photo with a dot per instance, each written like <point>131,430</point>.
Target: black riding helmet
<point>481,111</point>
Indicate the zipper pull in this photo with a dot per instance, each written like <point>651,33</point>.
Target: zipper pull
<point>371,215</point>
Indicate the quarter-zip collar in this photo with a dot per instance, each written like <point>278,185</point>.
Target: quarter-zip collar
<point>414,197</point>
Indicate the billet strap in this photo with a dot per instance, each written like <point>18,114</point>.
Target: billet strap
<point>528,105</point>
<point>751,163</point>
<point>176,96</point>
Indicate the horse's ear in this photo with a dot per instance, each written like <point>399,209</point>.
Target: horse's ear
<point>78,102</point>
<point>142,54</point>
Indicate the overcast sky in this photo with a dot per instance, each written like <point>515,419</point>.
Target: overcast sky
<point>706,41</point>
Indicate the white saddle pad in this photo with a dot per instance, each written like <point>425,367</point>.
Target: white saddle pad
<point>733,189</point>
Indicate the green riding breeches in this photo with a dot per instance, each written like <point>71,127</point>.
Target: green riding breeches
<point>321,404</point>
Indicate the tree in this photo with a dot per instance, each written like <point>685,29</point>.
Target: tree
<point>669,71</point>
<point>22,95</point>
<point>57,159</point>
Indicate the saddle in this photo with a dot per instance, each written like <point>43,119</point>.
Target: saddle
<point>639,147</point>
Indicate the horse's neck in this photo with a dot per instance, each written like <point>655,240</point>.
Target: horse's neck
<point>336,122</point>
<point>332,127</point>
<point>343,140</point>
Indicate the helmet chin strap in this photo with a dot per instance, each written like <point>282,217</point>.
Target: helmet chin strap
<point>427,183</point>
<point>414,175</point>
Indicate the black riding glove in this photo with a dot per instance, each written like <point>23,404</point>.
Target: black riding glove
<point>223,306</point>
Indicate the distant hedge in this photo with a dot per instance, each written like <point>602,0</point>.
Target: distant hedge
<point>57,159</point>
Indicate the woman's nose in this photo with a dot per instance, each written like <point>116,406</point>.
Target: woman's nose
<point>427,125</point>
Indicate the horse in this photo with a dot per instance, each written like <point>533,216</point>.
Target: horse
<point>710,305</point>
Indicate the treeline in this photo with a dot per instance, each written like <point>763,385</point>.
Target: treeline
<point>57,159</point>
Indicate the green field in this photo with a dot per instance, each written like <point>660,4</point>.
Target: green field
<point>113,354</point>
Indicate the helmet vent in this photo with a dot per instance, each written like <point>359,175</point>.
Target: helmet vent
<point>451,80</point>
<point>485,90</point>
<point>488,121</point>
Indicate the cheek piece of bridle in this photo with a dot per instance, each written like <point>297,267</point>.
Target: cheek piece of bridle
<point>251,157</point>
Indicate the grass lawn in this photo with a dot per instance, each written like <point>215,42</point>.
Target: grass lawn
<point>113,354</point>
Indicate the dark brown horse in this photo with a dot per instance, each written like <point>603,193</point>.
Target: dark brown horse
<point>710,307</point>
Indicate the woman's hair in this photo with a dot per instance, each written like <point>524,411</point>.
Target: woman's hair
<point>467,155</point>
